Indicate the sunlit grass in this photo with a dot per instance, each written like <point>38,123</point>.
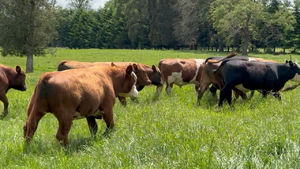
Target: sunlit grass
<point>170,131</point>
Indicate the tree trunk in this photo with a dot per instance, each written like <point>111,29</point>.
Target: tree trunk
<point>29,63</point>
<point>245,46</point>
<point>221,48</point>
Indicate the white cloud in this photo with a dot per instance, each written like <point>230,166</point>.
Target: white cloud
<point>95,4</point>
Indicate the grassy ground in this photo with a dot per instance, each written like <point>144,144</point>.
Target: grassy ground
<point>165,132</point>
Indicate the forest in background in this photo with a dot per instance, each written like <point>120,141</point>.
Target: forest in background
<point>30,26</point>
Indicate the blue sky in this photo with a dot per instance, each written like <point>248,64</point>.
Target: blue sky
<point>95,5</point>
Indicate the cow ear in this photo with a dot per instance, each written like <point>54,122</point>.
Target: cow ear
<point>286,61</point>
<point>113,64</point>
<point>18,69</point>
<point>154,68</point>
<point>129,69</point>
<point>291,63</point>
<point>135,66</point>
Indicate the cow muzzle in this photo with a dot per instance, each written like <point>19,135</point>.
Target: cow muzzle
<point>24,88</point>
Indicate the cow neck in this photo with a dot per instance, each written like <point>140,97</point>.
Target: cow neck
<point>10,75</point>
<point>148,70</point>
<point>118,76</point>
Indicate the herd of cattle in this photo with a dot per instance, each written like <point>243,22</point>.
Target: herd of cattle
<point>88,90</point>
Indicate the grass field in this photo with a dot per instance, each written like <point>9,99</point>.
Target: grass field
<point>166,132</point>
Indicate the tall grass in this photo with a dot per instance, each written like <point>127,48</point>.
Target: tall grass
<point>169,131</point>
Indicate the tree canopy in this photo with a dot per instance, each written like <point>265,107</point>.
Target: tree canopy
<point>28,27</point>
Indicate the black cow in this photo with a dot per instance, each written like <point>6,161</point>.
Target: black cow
<point>246,76</point>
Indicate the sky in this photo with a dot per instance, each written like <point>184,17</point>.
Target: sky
<point>95,5</point>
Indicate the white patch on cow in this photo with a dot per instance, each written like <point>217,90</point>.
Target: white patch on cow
<point>198,64</point>
<point>176,78</point>
<point>242,88</point>
<point>133,92</point>
<point>252,60</point>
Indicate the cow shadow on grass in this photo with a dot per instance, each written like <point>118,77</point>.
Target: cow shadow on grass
<point>76,144</point>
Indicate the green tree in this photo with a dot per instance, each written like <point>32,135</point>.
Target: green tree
<point>137,22</point>
<point>81,33</point>
<point>27,28</point>
<point>161,16</point>
<point>192,22</point>
<point>242,17</point>
<point>63,28</point>
<point>77,4</point>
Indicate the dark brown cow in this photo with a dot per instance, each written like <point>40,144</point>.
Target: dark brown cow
<point>142,71</point>
<point>82,93</point>
<point>10,78</point>
<point>180,72</point>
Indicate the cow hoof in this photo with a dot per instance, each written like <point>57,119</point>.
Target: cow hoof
<point>4,114</point>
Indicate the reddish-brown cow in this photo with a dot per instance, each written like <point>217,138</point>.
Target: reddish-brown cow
<point>82,93</point>
<point>10,78</point>
<point>180,72</point>
<point>142,71</point>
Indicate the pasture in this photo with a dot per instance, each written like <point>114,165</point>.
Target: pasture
<point>169,131</point>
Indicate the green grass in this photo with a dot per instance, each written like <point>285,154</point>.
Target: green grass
<point>165,132</point>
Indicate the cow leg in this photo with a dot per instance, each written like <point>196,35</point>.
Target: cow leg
<point>202,88</point>
<point>251,94</point>
<point>3,98</point>
<point>63,130</point>
<point>277,95</point>
<point>108,117</point>
<point>92,125</point>
<point>196,88</point>
<point>122,100</point>
<point>213,90</point>
<point>32,123</point>
<point>159,89</point>
<point>229,97</point>
<point>224,95</point>
<point>169,88</point>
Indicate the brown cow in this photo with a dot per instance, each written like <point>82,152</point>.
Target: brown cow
<point>180,72</point>
<point>142,71</point>
<point>141,74</point>
<point>82,93</point>
<point>10,78</point>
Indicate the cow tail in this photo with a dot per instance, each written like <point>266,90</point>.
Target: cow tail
<point>230,55</point>
<point>160,69</point>
<point>63,66</point>
<point>223,63</point>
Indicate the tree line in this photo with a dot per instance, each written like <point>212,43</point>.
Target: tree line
<point>28,27</point>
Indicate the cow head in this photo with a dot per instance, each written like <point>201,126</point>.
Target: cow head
<point>295,67</point>
<point>18,82</point>
<point>128,85</point>
<point>142,77</point>
<point>156,77</point>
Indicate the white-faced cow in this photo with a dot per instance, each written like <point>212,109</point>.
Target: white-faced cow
<point>245,76</point>
<point>10,78</point>
<point>78,93</point>
<point>142,72</point>
<point>180,72</point>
